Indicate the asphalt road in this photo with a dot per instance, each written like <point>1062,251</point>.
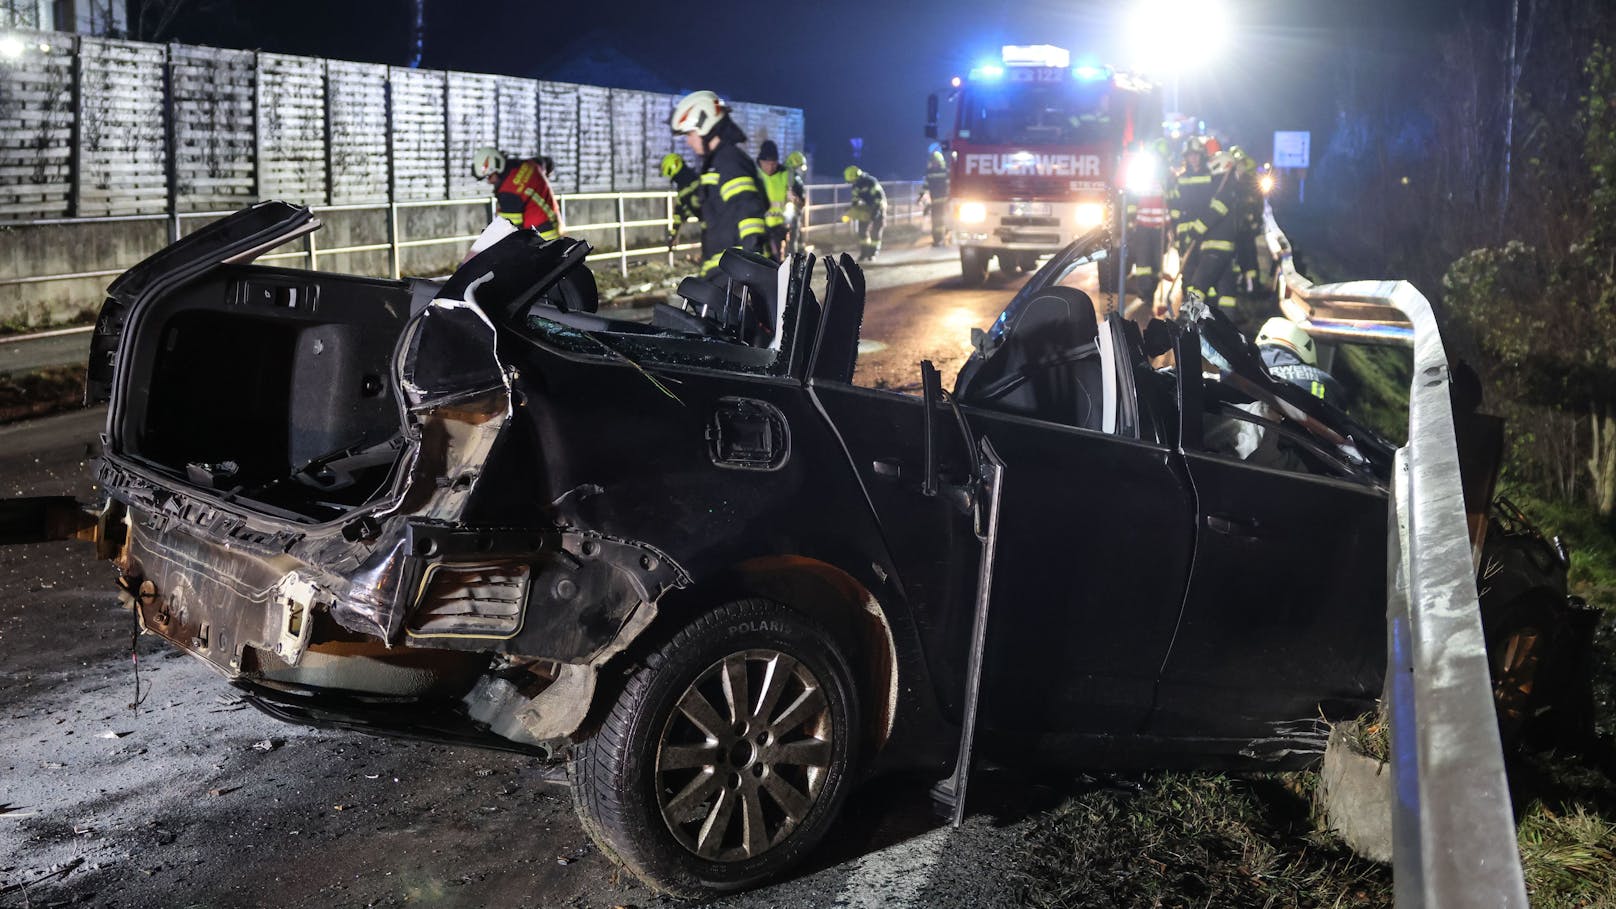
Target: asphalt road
<point>194,799</point>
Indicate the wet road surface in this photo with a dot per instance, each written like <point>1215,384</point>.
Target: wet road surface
<point>195,799</point>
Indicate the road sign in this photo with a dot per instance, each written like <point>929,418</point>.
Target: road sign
<point>1291,148</point>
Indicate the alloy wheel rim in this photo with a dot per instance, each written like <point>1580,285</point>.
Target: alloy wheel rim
<point>744,757</point>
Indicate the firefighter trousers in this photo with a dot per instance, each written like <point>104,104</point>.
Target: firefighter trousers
<point>1207,274</point>
<point>939,221</point>
<point>869,234</point>
<point>1145,261</point>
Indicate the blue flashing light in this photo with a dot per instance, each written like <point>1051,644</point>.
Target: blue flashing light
<point>988,71</point>
<point>1091,73</point>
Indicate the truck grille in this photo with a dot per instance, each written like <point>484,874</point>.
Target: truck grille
<point>1028,221</point>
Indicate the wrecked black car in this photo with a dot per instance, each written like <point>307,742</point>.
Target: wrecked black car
<point>695,561</point>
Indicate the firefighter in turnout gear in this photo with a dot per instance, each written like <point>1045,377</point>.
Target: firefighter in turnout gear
<point>1147,219</point>
<point>686,199</point>
<point>868,211</point>
<point>1291,356</point>
<point>1251,224</point>
<point>784,187</point>
<point>521,190</point>
<point>732,199</point>
<point>937,191</point>
<point>1202,206</point>
<point>796,203</point>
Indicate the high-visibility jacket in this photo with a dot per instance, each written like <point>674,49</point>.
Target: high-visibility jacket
<point>778,186</point>
<point>1204,207</point>
<point>524,198</point>
<point>869,197</point>
<point>937,178</point>
<point>732,205</point>
<point>687,195</point>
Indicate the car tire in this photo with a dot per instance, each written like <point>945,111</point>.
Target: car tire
<point>698,798</point>
<point>973,266</point>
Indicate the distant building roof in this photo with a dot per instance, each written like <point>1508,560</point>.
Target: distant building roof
<point>593,59</point>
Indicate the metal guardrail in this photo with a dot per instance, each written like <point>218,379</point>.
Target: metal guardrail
<point>1454,842</point>
<point>902,205</point>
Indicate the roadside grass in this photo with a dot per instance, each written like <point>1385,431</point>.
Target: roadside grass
<point>1194,840</point>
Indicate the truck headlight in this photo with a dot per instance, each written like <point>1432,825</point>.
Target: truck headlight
<point>1089,214</point>
<point>972,213</point>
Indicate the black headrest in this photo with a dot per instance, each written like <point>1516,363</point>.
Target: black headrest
<point>523,268</point>
<point>742,295</point>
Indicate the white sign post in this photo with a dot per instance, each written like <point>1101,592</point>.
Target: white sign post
<point>1292,151</point>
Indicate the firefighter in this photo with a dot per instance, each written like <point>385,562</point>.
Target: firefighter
<point>937,191</point>
<point>777,182</point>
<point>1147,220</point>
<point>1291,356</point>
<point>1250,196</point>
<point>686,201</point>
<point>868,211</point>
<point>521,189</point>
<point>1201,204</point>
<point>796,202</point>
<point>732,200</point>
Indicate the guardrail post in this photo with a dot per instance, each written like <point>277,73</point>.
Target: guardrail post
<point>392,239</point>
<point>672,229</point>
<point>622,237</point>
<point>310,251</point>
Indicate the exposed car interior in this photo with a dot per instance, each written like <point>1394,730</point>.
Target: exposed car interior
<point>1046,359</point>
<point>271,384</point>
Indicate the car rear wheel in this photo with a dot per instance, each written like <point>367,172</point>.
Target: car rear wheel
<point>726,756</point>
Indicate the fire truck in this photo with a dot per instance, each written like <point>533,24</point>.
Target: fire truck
<point>1034,153</point>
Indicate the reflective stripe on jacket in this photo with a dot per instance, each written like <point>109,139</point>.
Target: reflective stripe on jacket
<point>733,205</point>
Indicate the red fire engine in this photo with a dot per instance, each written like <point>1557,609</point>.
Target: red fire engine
<point>1034,153</point>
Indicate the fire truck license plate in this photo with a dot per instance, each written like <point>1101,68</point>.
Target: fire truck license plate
<point>1029,209</point>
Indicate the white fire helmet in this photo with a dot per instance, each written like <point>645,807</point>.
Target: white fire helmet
<point>486,162</point>
<point>697,112</point>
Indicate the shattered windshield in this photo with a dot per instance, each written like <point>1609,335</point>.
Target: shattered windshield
<point>645,344</point>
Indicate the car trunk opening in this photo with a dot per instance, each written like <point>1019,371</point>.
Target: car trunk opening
<point>270,387</point>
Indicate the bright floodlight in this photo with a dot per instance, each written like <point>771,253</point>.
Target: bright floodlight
<point>1171,36</point>
<point>11,47</point>
<point>1141,177</point>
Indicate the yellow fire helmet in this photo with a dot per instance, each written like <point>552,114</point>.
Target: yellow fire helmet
<point>672,164</point>
<point>1282,332</point>
<point>852,173</point>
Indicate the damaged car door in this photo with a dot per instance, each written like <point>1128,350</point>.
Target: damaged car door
<point>1096,532</point>
<point>1284,620</point>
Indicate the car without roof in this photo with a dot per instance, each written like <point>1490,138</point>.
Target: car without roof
<point>692,559</point>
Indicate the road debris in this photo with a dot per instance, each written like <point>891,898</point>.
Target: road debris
<point>267,745</point>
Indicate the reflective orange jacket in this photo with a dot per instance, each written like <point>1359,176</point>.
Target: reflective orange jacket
<point>525,198</point>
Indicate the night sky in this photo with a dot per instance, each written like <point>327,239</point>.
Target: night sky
<point>856,68</point>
